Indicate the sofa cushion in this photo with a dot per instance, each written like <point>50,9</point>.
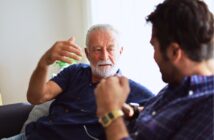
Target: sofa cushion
<point>37,112</point>
<point>12,117</point>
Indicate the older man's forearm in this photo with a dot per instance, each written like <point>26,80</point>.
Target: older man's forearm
<point>37,83</point>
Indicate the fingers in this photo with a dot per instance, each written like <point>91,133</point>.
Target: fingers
<point>71,55</point>
<point>140,108</point>
<point>111,93</point>
<point>64,51</point>
<point>71,49</point>
<point>124,83</point>
<point>121,80</point>
<point>72,39</point>
<point>128,110</point>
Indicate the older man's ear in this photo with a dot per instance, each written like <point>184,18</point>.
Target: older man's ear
<point>86,52</point>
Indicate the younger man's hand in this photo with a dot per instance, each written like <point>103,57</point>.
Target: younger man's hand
<point>111,93</point>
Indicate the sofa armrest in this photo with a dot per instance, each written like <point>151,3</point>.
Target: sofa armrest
<point>12,117</point>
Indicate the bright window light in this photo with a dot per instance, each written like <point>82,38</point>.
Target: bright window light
<point>128,16</point>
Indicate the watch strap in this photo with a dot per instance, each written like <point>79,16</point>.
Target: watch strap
<point>107,119</point>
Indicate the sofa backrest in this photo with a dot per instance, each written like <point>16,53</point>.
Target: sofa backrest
<point>12,117</point>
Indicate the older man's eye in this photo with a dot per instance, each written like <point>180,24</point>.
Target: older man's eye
<point>110,49</point>
<point>97,50</point>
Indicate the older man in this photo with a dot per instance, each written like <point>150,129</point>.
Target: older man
<point>73,113</point>
<point>183,42</point>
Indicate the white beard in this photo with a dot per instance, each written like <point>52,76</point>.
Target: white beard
<point>105,71</point>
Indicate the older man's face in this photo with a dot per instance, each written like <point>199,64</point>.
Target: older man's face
<point>103,53</point>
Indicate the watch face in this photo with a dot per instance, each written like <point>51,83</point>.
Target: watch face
<point>111,116</point>
<point>108,118</point>
<point>105,120</point>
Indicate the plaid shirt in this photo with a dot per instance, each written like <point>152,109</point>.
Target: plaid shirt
<point>184,112</point>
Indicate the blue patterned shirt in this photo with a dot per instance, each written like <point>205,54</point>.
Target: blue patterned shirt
<point>184,112</point>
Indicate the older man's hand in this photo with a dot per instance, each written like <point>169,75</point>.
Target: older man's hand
<point>61,51</point>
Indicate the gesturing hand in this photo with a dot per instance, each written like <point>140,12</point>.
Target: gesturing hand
<point>62,51</point>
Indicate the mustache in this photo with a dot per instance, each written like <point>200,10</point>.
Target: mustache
<point>107,62</point>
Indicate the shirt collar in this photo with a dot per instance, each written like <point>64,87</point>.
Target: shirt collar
<point>201,84</point>
<point>194,85</point>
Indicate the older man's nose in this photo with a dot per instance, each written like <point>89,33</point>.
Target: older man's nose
<point>104,55</point>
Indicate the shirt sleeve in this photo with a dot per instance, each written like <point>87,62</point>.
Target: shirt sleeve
<point>65,77</point>
<point>126,138</point>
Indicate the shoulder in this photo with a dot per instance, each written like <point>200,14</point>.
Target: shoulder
<point>75,68</point>
<point>138,93</point>
<point>72,73</point>
<point>135,86</point>
<point>79,66</point>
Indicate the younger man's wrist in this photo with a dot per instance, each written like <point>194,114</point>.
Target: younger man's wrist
<point>109,117</point>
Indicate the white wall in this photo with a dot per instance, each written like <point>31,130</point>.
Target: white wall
<point>27,29</point>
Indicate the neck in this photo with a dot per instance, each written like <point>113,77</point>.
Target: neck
<point>205,68</point>
<point>210,66</point>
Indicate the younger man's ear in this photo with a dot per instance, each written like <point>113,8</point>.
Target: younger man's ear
<point>174,52</point>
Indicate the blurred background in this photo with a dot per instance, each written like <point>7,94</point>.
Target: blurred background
<point>29,27</point>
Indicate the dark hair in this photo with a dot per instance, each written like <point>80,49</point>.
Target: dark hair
<point>186,22</point>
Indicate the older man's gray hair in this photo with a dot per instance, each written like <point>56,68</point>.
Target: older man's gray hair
<point>105,27</point>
